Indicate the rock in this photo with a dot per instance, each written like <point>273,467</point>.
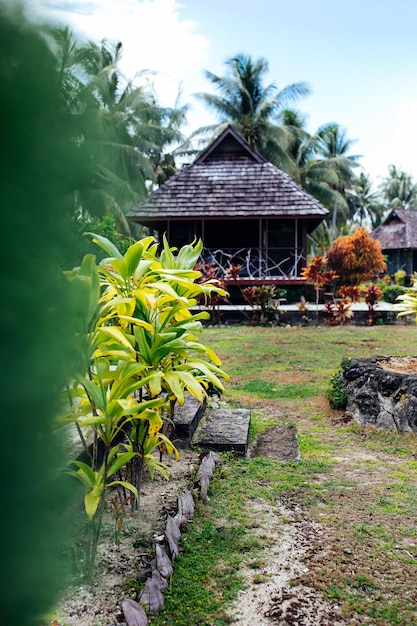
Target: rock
<point>163,562</point>
<point>223,430</point>
<point>172,534</point>
<point>205,472</point>
<point>134,613</point>
<point>151,596</point>
<point>380,397</point>
<point>186,419</point>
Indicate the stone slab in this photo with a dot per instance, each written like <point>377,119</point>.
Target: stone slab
<point>223,430</point>
<point>279,443</point>
<point>186,419</point>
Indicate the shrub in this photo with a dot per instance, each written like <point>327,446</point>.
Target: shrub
<point>356,258</point>
<point>390,293</point>
<point>336,391</point>
<point>400,277</point>
<point>263,301</point>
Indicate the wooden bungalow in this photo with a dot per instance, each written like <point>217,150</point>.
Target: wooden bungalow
<point>398,238</point>
<point>246,211</point>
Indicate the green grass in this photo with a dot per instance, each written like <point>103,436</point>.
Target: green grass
<point>222,537</point>
<point>265,389</point>
<point>359,484</point>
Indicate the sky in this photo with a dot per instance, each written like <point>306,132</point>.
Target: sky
<point>359,57</point>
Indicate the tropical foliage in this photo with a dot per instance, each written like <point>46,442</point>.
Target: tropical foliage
<point>407,302</point>
<point>122,133</point>
<point>318,274</point>
<point>37,326</point>
<point>321,162</point>
<point>251,106</point>
<point>356,258</point>
<point>138,354</point>
<point>398,189</point>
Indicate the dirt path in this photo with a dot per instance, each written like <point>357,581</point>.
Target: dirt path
<point>286,588</point>
<point>275,600</point>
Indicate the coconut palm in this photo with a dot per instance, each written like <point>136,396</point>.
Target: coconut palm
<point>332,146</point>
<point>364,203</point>
<point>251,106</point>
<point>398,189</point>
<point>319,175</point>
<point>120,128</point>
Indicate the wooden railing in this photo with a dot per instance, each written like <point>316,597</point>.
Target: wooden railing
<point>256,263</point>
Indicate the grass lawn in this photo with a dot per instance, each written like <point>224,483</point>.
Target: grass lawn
<point>359,486</point>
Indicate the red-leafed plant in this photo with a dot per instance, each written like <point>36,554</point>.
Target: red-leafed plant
<point>339,312</point>
<point>349,292</point>
<point>372,296</point>
<point>319,275</point>
<point>356,258</point>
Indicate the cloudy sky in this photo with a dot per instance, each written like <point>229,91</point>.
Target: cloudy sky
<point>360,57</point>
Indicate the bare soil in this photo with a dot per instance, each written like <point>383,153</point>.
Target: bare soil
<point>122,567</point>
<point>400,364</point>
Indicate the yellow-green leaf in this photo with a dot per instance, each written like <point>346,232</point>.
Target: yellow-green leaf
<point>116,333</point>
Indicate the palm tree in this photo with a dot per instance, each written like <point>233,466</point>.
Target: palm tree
<point>333,146</point>
<point>332,142</point>
<point>398,189</point>
<point>251,106</point>
<point>364,203</point>
<point>318,174</point>
<point>121,130</point>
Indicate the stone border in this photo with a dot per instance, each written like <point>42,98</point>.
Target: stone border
<point>151,599</point>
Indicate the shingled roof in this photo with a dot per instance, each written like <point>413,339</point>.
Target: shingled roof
<point>229,180</point>
<point>398,231</point>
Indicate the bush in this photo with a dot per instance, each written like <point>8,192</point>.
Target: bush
<point>336,392</point>
<point>390,293</point>
<point>400,277</point>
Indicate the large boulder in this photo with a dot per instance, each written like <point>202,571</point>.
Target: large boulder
<point>382,392</point>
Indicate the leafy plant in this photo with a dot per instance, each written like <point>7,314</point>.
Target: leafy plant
<point>399,277</point>
<point>356,257</point>
<point>319,275</point>
<point>336,391</point>
<point>139,355</point>
<point>372,295</point>
<point>408,301</point>
<point>262,300</point>
<point>339,312</point>
<point>390,293</point>
<point>351,292</point>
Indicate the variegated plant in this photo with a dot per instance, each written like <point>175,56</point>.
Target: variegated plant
<point>139,353</point>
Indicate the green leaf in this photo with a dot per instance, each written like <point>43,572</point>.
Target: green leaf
<point>153,464</point>
<point>168,290</point>
<point>93,420</point>
<point>142,344</point>
<point>106,245</point>
<point>134,255</point>
<point>121,460</point>
<point>120,267</point>
<point>174,384</point>
<point>91,502</point>
<point>192,385</point>
<point>189,255</point>
<point>167,258</point>
<point>142,268</point>
<point>117,333</point>
<point>126,485</point>
<point>155,384</point>
<point>95,392</point>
